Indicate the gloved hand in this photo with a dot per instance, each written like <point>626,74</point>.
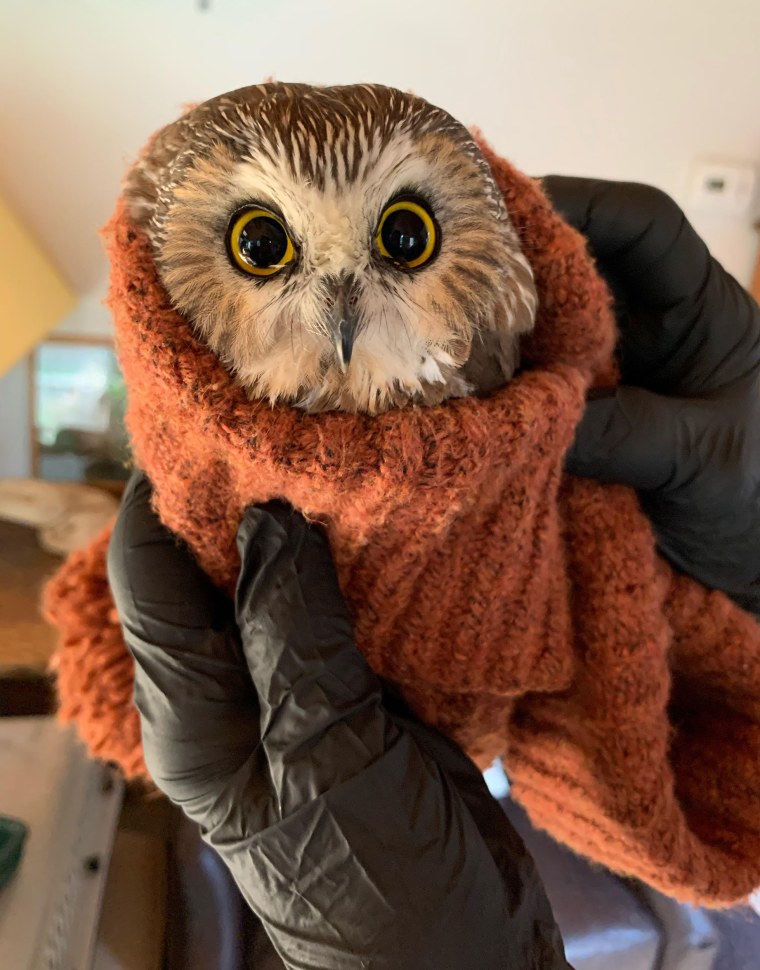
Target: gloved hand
<point>359,837</point>
<point>684,428</point>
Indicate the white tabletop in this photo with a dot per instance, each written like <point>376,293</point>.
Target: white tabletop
<point>49,910</point>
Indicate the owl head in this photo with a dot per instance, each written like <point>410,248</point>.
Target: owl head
<point>337,247</point>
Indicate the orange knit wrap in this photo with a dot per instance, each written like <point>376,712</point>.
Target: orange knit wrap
<point>524,613</point>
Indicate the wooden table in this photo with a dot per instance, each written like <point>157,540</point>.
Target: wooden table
<point>26,640</point>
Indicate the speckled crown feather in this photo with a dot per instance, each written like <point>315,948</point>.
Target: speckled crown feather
<point>523,613</point>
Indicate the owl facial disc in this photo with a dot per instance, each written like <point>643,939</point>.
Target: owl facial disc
<point>339,248</point>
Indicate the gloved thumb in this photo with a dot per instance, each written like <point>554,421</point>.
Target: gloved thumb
<point>322,719</point>
<point>638,438</point>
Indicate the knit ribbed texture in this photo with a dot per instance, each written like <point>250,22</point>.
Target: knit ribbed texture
<point>524,613</point>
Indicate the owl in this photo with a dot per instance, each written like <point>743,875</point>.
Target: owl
<point>340,248</point>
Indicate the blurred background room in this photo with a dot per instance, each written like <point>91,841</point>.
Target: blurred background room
<point>665,92</point>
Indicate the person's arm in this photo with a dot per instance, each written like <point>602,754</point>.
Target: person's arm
<point>684,428</point>
<point>358,836</point>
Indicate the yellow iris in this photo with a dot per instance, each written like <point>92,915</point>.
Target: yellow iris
<point>259,243</point>
<point>407,234</point>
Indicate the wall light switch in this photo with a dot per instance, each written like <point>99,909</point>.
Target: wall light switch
<point>723,187</point>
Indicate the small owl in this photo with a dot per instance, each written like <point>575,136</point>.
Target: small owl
<point>338,247</point>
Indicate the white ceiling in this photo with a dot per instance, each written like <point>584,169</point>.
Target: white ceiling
<point>629,89</point>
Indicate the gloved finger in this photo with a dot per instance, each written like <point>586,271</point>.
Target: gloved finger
<point>638,438</point>
<point>198,710</point>
<point>161,592</point>
<point>686,325</point>
<point>638,234</point>
<point>322,719</point>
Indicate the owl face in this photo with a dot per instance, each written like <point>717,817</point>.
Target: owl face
<point>339,248</point>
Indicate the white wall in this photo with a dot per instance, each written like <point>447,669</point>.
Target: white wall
<point>89,318</point>
<point>634,89</point>
<point>15,437</point>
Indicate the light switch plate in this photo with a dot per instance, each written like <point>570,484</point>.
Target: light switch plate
<point>723,187</point>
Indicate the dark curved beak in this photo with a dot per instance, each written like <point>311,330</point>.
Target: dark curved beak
<point>344,322</point>
<point>344,344</point>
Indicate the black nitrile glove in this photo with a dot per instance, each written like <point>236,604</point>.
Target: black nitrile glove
<point>360,838</point>
<point>684,429</point>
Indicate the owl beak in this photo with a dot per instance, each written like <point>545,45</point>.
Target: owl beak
<point>344,341</point>
<point>343,321</point>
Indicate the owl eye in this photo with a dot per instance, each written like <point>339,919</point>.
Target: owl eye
<point>258,242</point>
<point>407,234</point>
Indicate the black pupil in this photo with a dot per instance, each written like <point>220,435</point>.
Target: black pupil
<point>263,242</point>
<point>404,235</point>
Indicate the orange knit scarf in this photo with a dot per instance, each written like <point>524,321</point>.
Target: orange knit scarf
<point>524,613</point>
